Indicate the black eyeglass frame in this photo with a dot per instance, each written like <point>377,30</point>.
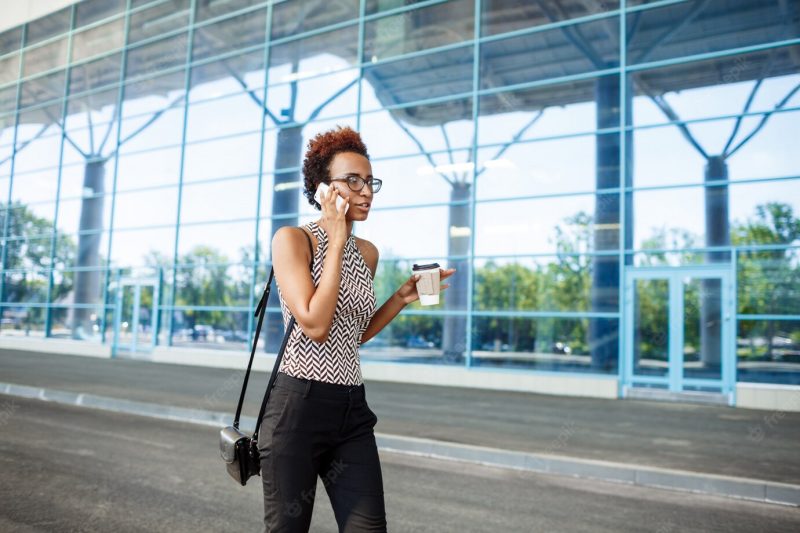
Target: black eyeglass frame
<point>372,182</point>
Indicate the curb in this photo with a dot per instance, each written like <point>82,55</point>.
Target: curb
<point>645,476</point>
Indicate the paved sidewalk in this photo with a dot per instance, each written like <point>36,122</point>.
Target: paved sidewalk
<point>705,439</point>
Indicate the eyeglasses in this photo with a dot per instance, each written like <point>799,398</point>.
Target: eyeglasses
<point>356,183</point>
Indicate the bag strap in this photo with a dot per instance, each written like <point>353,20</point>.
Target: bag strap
<point>260,310</point>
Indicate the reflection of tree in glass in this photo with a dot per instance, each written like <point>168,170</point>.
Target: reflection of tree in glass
<point>30,251</point>
<point>768,279</point>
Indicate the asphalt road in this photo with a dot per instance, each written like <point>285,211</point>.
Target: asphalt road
<point>702,438</point>
<point>69,468</point>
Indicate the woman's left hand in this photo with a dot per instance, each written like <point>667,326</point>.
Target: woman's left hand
<point>408,290</point>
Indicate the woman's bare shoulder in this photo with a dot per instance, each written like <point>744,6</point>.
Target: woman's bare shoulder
<point>292,238</point>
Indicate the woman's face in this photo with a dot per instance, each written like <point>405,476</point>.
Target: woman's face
<point>346,164</point>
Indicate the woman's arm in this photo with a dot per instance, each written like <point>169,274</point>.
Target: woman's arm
<point>312,307</point>
<point>403,296</point>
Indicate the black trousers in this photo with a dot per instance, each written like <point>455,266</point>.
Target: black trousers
<point>316,429</point>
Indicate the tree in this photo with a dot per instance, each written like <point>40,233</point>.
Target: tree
<point>768,280</point>
<point>28,250</point>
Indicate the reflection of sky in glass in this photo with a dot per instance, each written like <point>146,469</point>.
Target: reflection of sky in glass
<point>661,156</point>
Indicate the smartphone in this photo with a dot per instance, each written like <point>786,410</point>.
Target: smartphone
<point>322,190</point>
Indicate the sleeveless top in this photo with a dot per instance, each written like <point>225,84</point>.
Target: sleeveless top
<point>337,359</point>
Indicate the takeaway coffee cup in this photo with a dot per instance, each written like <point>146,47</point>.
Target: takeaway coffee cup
<point>428,283</point>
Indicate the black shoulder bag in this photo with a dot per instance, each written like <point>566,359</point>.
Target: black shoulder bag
<point>239,451</point>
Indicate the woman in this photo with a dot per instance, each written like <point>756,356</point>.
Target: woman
<point>317,421</point>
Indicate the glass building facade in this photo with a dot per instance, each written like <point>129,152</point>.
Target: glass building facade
<point>616,183</point>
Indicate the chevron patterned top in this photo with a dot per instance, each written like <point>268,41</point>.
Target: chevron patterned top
<point>337,359</point>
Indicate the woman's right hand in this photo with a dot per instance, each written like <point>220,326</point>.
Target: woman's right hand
<point>334,218</point>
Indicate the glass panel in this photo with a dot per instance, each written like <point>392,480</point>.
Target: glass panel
<point>126,332</point>
<point>539,168</point>
<point>419,339</point>
<point>19,321</point>
<point>208,283</point>
<point>670,218</point>
<point>89,118</point>
<point>404,178</point>
<point>45,57</point>
<point>717,87</point>
<point>769,281</point>
<point>36,186</point>
<point>208,9</point>
<point>296,16</point>
<point>76,323</point>
<point>391,238</point>
<point>146,246</point>
<point>89,11</point>
<point>501,16</point>
<point>765,213</point>
<point>91,218</point>
<point>98,40</point>
<point>10,40</point>
<point>420,78</point>
<point>550,110</point>
<point>146,326</point>
<point>650,327</point>
<point>28,245</point>
<point>151,168</point>
<point>224,243</point>
<point>146,208</point>
<point>686,28</point>
<point>444,126</point>
<point>545,225</point>
<point>157,56</point>
<point>44,89</point>
<point>152,95</point>
<point>223,330</point>
<point>230,34</point>
<point>162,17</point>
<point>376,6</point>
<point>563,51</point>
<point>664,156</point>
<point>702,328</point>
<point>419,29</point>
<point>232,75</point>
<point>232,199</point>
<point>152,125</point>
<point>768,351</point>
<point>221,117</point>
<point>549,344</point>
<point>94,74</point>
<point>48,26</point>
<point>25,286</point>
<point>312,56</point>
<point>562,283</point>
<point>9,70</point>
<point>319,98</point>
<point>8,103</point>
<point>234,156</point>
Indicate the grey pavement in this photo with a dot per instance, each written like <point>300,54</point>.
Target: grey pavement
<point>68,468</point>
<point>707,439</point>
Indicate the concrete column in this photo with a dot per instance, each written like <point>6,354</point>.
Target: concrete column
<point>717,234</point>
<point>87,288</point>
<point>284,201</point>
<point>454,336</point>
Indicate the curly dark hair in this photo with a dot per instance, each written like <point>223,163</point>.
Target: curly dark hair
<point>321,151</point>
